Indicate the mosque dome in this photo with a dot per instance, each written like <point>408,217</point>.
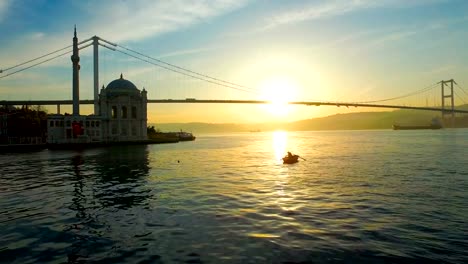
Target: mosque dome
<point>121,87</point>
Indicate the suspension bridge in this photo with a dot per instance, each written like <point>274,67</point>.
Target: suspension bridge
<point>448,90</point>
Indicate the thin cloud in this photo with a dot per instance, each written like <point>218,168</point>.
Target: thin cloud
<point>314,12</point>
<point>4,4</point>
<point>448,68</point>
<point>394,36</point>
<point>337,8</point>
<point>137,20</point>
<point>408,32</point>
<point>120,21</point>
<point>37,36</point>
<point>184,52</point>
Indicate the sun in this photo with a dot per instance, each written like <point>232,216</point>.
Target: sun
<point>278,91</point>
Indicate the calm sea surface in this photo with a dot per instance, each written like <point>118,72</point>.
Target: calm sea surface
<point>359,197</point>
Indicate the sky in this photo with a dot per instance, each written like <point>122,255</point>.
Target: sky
<point>335,50</point>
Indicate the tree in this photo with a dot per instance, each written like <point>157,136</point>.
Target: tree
<point>150,130</point>
<point>24,122</point>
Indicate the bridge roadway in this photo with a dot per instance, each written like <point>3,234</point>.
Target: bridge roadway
<point>198,101</point>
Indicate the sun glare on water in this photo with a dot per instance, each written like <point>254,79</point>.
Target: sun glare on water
<point>278,91</point>
<point>280,142</point>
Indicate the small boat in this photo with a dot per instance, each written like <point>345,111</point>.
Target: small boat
<point>290,159</point>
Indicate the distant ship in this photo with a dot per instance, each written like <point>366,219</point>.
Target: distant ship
<point>434,125</point>
<point>185,136</point>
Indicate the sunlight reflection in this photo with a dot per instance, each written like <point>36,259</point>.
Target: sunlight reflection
<point>262,235</point>
<point>280,140</point>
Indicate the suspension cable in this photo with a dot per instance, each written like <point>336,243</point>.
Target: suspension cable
<point>186,74</point>
<point>427,88</point>
<point>461,98</point>
<point>36,64</point>
<point>29,61</point>
<point>190,71</point>
<point>463,90</point>
<point>44,61</point>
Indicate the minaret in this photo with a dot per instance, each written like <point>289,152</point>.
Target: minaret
<point>96,74</point>
<point>76,76</point>
<point>144,114</point>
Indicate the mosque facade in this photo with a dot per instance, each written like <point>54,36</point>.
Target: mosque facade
<point>121,115</point>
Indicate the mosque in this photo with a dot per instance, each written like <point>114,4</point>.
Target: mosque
<point>120,114</point>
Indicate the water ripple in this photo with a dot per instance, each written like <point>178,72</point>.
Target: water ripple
<point>361,197</point>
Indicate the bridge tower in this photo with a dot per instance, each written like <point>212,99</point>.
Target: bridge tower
<point>449,111</point>
<point>96,44</point>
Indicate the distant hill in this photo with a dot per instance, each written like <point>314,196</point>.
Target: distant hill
<point>198,127</point>
<point>365,120</point>
<point>351,121</point>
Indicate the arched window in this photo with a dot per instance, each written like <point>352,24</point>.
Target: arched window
<point>114,111</point>
<point>124,112</point>
<point>134,112</point>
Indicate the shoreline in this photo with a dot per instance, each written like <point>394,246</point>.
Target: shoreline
<point>12,148</point>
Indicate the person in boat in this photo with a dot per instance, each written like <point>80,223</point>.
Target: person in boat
<point>290,155</point>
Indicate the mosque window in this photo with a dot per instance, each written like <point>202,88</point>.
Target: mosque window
<point>114,111</point>
<point>87,123</point>
<point>92,123</point>
<point>134,112</point>
<point>51,123</point>
<point>124,112</point>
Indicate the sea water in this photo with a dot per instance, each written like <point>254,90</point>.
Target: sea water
<point>355,197</point>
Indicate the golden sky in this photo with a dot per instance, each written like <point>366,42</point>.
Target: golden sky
<point>350,51</point>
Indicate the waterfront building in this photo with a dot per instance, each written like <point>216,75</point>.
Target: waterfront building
<point>120,116</point>
<point>123,111</point>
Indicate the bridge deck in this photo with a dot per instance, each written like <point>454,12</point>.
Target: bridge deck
<point>202,101</point>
